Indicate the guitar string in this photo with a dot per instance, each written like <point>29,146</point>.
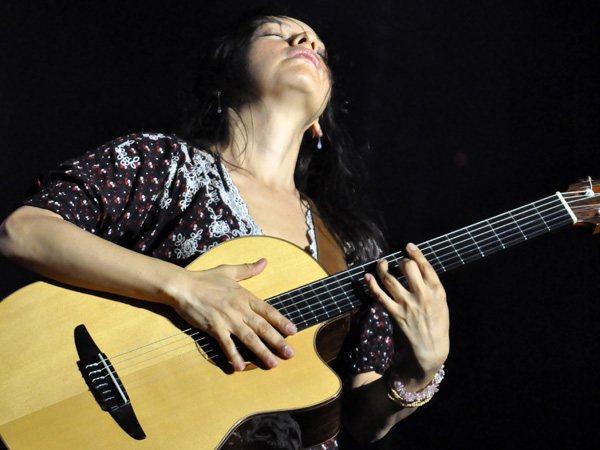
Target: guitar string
<point>184,332</point>
<point>327,314</point>
<point>462,249</point>
<point>209,358</point>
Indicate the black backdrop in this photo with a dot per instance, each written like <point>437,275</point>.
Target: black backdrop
<point>465,109</point>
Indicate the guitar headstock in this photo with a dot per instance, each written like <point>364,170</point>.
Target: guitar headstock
<point>584,200</point>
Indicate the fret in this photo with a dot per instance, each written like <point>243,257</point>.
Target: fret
<point>327,299</point>
<point>284,304</point>
<point>437,260</point>
<point>454,248</point>
<point>304,310</point>
<point>529,223</point>
<point>541,217</point>
<point>487,238</point>
<point>504,226</point>
<point>517,224</point>
<point>346,291</point>
<point>447,255</point>
<point>495,234</point>
<point>333,294</point>
<point>317,307</point>
<point>464,245</point>
<point>475,242</point>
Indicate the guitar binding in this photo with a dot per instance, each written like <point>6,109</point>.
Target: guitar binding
<point>105,384</point>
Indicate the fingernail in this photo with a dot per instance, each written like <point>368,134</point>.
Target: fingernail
<point>239,365</point>
<point>272,361</point>
<point>290,329</point>
<point>412,247</point>
<point>368,277</point>
<point>288,351</point>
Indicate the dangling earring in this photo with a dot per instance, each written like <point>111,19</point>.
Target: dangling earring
<point>219,110</point>
<point>317,133</point>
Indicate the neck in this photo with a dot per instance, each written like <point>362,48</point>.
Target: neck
<point>265,143</point>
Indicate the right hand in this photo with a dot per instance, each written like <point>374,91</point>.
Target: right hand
<point>213,301</point>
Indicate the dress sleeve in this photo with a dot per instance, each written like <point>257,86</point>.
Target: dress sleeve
<point>109,191</point>
<point>370,345</point>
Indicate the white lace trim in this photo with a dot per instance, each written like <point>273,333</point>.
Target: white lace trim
<point>236,203</point>
<point>312,238</point>
<point>200,171</point>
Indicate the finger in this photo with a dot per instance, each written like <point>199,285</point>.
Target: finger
<point>413,275</point>
<point>271,337</point>
<point>427,270</point>
<point>390,282</point>
<point>231,351</point>
<point>273,316</point>
<point>250,339</point>
<point>379,294</point>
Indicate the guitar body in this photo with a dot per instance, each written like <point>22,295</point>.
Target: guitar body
<point>184,401</point>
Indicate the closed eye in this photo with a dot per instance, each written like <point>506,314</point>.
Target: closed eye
<point>322,54</point>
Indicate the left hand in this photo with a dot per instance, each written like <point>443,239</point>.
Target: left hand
<point>421,311</point>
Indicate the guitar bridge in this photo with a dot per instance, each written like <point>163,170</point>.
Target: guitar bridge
<point>105,384</point>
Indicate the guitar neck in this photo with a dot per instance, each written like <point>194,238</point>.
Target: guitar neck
<point>341,293</point>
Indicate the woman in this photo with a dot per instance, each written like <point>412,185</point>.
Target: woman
<point>129,216</point>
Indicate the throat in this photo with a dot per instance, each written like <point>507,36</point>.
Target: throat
<point>278,213</point>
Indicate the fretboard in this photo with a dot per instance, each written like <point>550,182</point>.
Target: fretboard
<point>339,294</point>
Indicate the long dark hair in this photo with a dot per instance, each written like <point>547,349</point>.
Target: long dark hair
<point>330,177</point>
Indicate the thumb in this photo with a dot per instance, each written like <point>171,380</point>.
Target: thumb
<point>244,271</point>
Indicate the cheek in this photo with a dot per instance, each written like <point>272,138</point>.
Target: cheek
<point>259,66</point>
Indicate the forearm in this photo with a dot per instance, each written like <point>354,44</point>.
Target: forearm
<point>369,412</point>
<point>211,299</point>
<point>45,243</point>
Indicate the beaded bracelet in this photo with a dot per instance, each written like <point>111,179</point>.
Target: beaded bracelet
<point>398,393</point>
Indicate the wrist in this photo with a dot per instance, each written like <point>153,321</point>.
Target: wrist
<point>412,392</point>
<point>414,372</point>
<point>407,375</point>
<point>169,283</point>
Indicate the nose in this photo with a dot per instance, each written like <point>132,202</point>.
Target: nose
<point>304,39</point>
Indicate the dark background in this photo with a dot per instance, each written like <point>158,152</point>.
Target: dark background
<point>465,109</point>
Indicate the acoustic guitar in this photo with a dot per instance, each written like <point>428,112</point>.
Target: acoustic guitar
<point>86,370</point>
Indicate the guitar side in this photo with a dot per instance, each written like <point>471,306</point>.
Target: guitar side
<point>47,404</point>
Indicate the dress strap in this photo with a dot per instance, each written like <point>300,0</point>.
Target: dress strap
<point>331,255</point>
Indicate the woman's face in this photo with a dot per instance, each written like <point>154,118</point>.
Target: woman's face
<point>287,57</point>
